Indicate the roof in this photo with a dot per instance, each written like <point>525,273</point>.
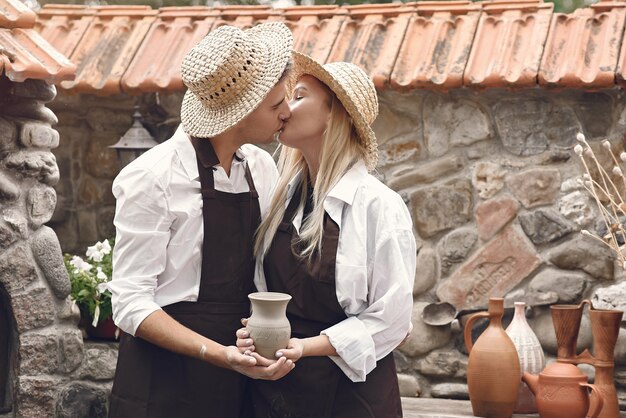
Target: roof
<point>438,45</point>
<point>23,52</point>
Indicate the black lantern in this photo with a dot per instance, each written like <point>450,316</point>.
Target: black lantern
<point>134,142</point>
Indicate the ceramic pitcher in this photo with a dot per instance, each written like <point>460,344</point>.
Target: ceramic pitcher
<point>493,371</point>
<point>268,325</point>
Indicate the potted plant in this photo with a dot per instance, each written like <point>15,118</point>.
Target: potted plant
<point>89,278</point>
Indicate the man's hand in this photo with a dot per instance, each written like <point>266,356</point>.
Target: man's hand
<point>255,366</point>
<point>294,350</point>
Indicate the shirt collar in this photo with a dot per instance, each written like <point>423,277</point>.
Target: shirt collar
<point>346,187</point>
<point>187,153</point>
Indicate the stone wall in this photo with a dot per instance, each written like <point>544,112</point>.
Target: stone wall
<point>48,364</point>
<point>490,178</point>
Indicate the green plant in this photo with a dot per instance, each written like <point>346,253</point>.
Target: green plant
<point>89,279</point>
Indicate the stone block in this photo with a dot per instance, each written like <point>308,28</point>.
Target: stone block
<point>424,338</point>
<point>30,110</point>
<point>443,363</point>
<point>494,270</point>
<point>8,235</point>
<point>9,188</point>
<point>33,309</point>
<point>71,349</point>
<point>426,271</point>
<point>488,179</point>
<point>36,396</point>
<point>41,202</point>
<point>40,165</point>
<point>8,135</point>
<point>38,354</point>
<point>15,219</point>
<point>17,269</point>
<point>587,254</point>
<point>536,186</point>
<point>578,207</point>
<point>409,386</point>
<point>37,135</point>
<point>568,285</point>
<point>37,90</point>
<point>449,123</point>
<point>105,221</point>
<point>81,399</point>
<point>610,297</point>
<point>402,362</point>
<point>449,391</point>
<point>101,161</point>
<point>402,149</point>
<point>495,214</point>
<point>99,362</point>
<point>455,247</point>
<point>426,173</point>
<point>438,208</point>
<point>545,225</point>
<point>47,252</point>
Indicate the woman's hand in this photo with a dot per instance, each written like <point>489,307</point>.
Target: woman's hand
<point>244,342</point>
<point>255,366</point>
<point>294,350</point>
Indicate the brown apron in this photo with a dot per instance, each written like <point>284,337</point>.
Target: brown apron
<point>316,387</point>
<point>152,382</point>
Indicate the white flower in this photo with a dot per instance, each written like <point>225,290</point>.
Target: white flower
<point>97,251</point>
<point>80,264</point>
<point>106,247</point>
<point>578,149</point>
<point>102,287</point>
<point>100,274</point>
<point>580,137</point>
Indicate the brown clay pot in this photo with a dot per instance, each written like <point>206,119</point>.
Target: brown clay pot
<point>561,391</point>
<point>268,325</point>
<point>106,330</point>
<point>493,371</point>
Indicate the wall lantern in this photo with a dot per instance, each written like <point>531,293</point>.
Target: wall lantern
<point>134,142</point>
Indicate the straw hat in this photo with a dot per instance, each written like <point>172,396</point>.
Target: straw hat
<point>229,73</point>
<point>355,91</point>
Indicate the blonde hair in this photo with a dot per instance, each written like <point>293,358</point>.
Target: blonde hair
<point>341,148</point>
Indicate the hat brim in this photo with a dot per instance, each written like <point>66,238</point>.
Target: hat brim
<point>305,65</point>
<point>203,122</point>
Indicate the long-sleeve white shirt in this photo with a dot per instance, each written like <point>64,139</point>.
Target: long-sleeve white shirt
<point>374,273</point>
<point>157,259</point>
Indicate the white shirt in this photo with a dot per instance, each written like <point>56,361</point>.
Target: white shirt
<point>374,271</point>
<point>157,257</point>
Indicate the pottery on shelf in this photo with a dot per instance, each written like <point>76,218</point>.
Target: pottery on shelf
<point>530,353</point>
<point>562,391</point>
<point>268,325</point>
<point>493,370</point>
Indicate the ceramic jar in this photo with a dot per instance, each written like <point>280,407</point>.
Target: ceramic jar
<point>268,325</point>
<point>530,353</point>
<point>493,371</point>
<point>562,391</point>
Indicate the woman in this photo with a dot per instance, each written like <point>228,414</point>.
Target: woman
<point>341,244</point>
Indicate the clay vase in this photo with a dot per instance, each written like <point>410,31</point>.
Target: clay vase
<point>561,390</point>
<point>530,353</point>
<point>566,320</point>
<point>493,371</point>
<point>268,325</point>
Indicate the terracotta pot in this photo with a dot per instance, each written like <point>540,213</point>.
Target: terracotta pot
<point>493,371</point>
<point>562,392</point>
<point>530,353</point>
<point>106,330</point>
<point>566,320</point>
<point>268,325</point>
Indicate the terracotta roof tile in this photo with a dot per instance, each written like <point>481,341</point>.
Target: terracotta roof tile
<point>582,48</point>
<point>508,44</point>
<point>108,46</point>
<point>14,14</point>
<point>371,38</point>
<point>436,46</point>
<point>27,55</point>
<point>64,25</point>
<point>177,30</point>
<point>315,28</point>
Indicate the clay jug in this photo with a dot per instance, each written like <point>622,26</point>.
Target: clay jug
<point>561,391</point>
<point>493,372</point>
<point>268,325</point>
<point>530,353</point>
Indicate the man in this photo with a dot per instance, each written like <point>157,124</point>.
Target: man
<point>186,214</point>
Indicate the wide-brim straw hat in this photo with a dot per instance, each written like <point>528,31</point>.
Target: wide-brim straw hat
<point>229,73</point>
<point>354,89</point>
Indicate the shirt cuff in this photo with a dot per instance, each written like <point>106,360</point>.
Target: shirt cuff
<point>354,346</point>
<point>131,316</point>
